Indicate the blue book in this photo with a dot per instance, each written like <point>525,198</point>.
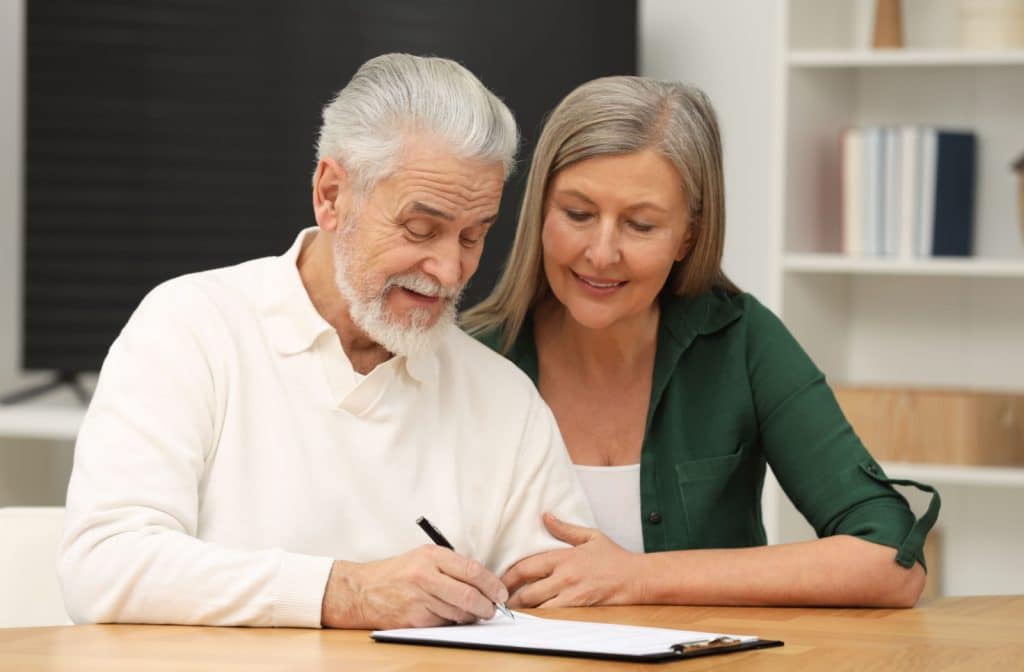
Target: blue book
<point>953,226</point>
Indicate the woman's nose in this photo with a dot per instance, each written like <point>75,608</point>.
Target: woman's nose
<point>603,248</point>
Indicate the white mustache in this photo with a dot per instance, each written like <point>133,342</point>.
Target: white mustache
<point>421,284</point>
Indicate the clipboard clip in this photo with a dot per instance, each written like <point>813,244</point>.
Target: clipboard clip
<point>716,643</point>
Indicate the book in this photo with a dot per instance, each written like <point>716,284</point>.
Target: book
<point>953,225</point>
<point>548,636</point>
<point>926,210</point>
<point>892,171</point>
<point>853,192</point>
<point>907,191</point>
<point>910,192</point>
<point>873,190</point>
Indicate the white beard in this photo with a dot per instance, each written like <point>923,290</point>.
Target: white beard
<point>370,313</point>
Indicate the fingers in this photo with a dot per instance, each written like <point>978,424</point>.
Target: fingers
<point>464,583</point>
<point>529,570</point>
<point>448,613</point>
<point>567,532</point>
<point>536,594</point>
<point>472,573</point>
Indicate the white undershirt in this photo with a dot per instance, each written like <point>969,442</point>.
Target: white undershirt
<point>614,494</point>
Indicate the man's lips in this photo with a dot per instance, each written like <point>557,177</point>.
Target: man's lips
<point>416,296</point>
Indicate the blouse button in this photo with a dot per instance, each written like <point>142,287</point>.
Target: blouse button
<point>654,517</point>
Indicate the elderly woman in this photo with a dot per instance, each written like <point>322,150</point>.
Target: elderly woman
<point>672,388</point>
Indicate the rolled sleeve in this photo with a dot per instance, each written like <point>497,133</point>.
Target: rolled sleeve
<point>819,460</point>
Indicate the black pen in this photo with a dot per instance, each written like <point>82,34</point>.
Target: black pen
<point>438,538</point>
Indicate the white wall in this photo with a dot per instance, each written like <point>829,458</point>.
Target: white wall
<point>32,472</point>
<point>11,151</point>
<point>730,50</point>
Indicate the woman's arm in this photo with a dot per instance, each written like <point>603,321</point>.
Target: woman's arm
<point>835,571</point>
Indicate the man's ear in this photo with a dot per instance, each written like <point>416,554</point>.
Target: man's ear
<point>331,193</point>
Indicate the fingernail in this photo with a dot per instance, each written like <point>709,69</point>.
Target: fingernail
<point>503,594</point>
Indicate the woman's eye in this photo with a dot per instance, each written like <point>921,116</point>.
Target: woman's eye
<point>577,215</point>
<point>640,227</point>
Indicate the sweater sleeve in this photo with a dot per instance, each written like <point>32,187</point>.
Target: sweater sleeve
<point>130,551</point>
<point>817,457</point>
<point>544,482</point>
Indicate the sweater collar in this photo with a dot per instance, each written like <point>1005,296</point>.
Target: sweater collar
<point>292,321</point>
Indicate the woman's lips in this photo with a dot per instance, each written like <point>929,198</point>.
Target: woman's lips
<point>599,286</point>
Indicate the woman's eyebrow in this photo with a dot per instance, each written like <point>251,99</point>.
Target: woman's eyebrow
<point>633,206</point>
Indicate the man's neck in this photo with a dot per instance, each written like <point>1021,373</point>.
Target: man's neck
<point>316,268</point>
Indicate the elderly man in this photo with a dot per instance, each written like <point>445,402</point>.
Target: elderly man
<point>263,437</point>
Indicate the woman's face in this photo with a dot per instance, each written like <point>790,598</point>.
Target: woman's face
<point>613,227</point>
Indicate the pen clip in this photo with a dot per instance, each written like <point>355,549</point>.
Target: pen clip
<point>716,643</point>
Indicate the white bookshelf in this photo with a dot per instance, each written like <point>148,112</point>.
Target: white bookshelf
<point>970,267</point>
<point>902,58</point>
<point>951,322</point>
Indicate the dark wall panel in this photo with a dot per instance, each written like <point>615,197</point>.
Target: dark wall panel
<point>175,136</point>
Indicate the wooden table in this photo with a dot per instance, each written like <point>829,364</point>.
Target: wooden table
<point>972,633</point>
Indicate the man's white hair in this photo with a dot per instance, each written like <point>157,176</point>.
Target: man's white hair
<point>393,95</point>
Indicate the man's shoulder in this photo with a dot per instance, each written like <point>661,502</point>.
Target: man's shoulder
<point>196,302</point>
<point>483,368</point>
<point>215,286</point>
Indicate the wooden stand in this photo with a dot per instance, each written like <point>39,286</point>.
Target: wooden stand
<point>888,24</point>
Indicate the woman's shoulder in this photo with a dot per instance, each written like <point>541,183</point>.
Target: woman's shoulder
<point>714,311</point>
<point>490,337</point>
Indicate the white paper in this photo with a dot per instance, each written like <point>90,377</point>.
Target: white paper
<point>531,632</point>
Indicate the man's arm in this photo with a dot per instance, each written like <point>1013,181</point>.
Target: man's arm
<point>130,552</point>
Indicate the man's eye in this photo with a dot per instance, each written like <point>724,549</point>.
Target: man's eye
<point>577,215</point>
<point>418,231</point>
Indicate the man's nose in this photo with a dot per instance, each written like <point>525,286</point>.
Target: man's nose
<point>445,263</point>
<point>603,249</point>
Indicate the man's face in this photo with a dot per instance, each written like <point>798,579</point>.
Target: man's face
<point>404,252</point>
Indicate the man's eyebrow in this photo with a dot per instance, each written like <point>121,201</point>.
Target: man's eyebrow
<point>424,209</point>
<point>491,219</point>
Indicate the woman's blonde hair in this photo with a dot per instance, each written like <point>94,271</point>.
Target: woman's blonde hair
<point>617,115</point>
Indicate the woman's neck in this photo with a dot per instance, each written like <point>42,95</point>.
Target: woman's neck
<point>598,355</point>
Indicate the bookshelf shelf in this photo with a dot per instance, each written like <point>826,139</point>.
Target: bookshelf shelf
<point>837,264</point>
<point>902,58</point>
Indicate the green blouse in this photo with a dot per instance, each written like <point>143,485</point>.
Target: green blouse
<point>733,391</point>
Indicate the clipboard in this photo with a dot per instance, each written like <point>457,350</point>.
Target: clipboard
<point>577,639</point>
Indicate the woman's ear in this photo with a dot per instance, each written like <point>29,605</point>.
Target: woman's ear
<point>331,191</point>
<point>689,238</point>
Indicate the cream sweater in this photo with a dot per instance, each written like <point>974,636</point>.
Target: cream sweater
<point>230,453</point>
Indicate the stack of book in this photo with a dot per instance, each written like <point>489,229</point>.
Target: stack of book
<point>908,191</point>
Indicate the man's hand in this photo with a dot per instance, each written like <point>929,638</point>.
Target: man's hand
<point>595,571</point>
<point>428,586</point>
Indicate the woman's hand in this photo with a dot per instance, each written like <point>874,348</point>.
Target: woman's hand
<point>595,571</point>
